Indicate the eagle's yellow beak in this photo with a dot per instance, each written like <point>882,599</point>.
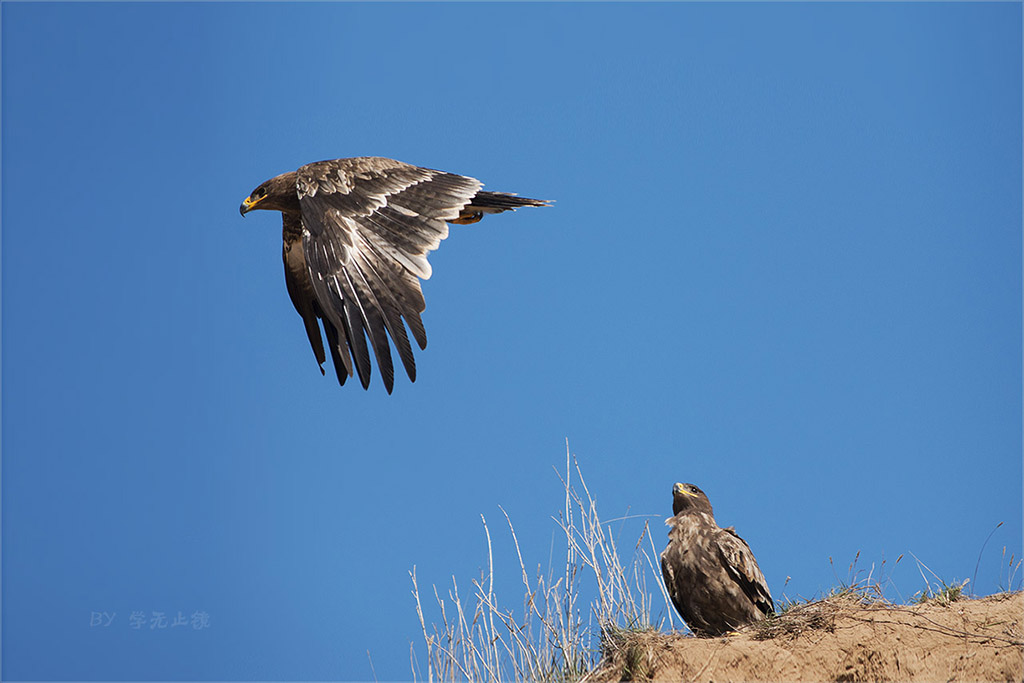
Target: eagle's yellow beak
<point>248,204</point>
<point>679,488</point>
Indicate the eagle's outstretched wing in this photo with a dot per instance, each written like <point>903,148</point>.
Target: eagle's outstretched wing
<point>368,224</point>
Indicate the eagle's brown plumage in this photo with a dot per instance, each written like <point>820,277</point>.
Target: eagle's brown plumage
<point>356,237</point>
<point>710,573</point>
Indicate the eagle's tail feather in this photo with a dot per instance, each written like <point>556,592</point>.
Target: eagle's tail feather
<point>494,202</point>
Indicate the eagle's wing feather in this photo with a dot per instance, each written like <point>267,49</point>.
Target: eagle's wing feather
<point>668,559</point>
<point>742,567</point>
<point>368,225</point>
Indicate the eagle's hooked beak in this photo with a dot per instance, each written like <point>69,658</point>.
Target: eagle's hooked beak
<point>248,204</point>
<point>679,488</point>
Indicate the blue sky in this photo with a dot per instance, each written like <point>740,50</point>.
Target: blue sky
<point>784,264</point>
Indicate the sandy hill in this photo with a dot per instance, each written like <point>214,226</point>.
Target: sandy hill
<point>842,638</point>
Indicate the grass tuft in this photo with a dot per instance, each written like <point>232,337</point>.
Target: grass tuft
<point>939,592</point>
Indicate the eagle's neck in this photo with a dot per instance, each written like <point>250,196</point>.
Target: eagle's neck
<point>690,516</point>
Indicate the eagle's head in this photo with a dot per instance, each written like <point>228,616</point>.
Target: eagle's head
<point>689,498</point>
<point>277,194</point>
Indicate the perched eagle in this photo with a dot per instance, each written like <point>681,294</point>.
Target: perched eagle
<point>711,575</point>
<point>356,237</point>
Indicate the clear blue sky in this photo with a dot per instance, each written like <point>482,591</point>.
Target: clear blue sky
<point>784,264</point>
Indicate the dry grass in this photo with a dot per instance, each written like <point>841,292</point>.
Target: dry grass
<point>553,637</point>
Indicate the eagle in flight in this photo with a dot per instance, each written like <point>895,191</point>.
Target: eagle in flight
<point>356,237</point>
<point>710,573</point>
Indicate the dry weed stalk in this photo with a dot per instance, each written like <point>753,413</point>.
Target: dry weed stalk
<point>1011,573</point>
<point>551,639</point>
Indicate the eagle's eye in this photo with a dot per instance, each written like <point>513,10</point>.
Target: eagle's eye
<point>260,193</point>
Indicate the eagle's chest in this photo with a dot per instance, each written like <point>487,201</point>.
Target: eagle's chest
<point>697,551</point>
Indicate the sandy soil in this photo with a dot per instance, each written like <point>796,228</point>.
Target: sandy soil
<point>839,639</point>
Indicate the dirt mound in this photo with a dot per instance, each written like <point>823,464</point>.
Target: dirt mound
<point>838,639</point>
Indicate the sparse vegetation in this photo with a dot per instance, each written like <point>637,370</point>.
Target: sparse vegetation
<point>796,616</point>
<point>554,638</point>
